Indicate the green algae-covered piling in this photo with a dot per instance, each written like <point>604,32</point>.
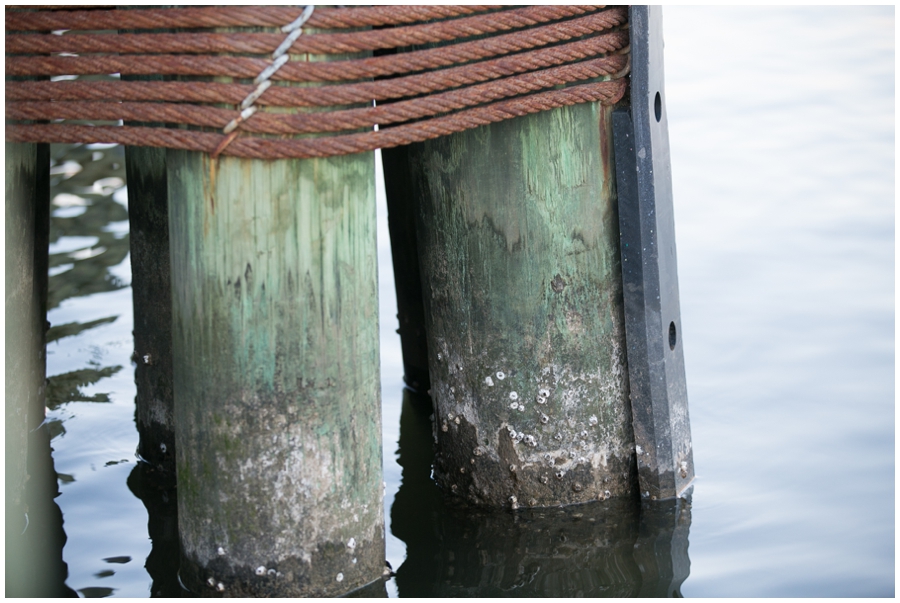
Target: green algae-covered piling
<point>277,395</point>
<point>152,299</point>
<point>276,372</point>
<point>518,242</point>
<point>27,224</point>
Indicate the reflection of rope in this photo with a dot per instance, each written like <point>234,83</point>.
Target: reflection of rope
<point>460,85</point>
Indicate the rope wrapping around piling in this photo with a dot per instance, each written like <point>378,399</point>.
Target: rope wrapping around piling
<point>229,16</point>
<point>521,61</point>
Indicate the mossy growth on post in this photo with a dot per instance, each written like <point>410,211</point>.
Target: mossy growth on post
<point>276,374</point>
<point>518,248</point>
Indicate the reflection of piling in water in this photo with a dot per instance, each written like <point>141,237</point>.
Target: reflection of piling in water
<point>661,549</point>
<point>419,498</point>
<point>577,551</point>
<point>152,299</point>
<point>614,548</point>
<point>162,528</point>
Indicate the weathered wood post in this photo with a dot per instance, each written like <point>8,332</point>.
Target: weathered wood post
<point>151,294</point>
<point>401,201</point>
<point>275,339</point>
<point>22,342</point>
<point>276,372</point>
<point>518,243</point>
<point>27,235</point>
<point>152,301</point>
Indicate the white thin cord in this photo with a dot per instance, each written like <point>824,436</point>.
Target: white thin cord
<point>234,122</point>
<point>288,42</point>
<point>271,69</point>
<point>299,21</point>
<point>251,98</point>
<point>280,57</point>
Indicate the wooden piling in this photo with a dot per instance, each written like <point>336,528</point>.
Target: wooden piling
<point>518,240</point>
<point>402,208</point>
<point>42,270</point>
<point>27,235</point>
<point>276,374</point>
<point>151,291</point>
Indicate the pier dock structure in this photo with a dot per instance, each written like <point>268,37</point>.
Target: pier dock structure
<point>529,192</point>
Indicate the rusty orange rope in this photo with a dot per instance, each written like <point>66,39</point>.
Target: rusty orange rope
<point>327,43</point>
<point>264,148</point>
<point>239,67</point>
<point>303,123</point>
<point>323,96</point>
<point>509,71</point>
<point>368,67</point>
<point>229,16</point>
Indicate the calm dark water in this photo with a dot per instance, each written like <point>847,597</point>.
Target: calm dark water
<point>783,162</point>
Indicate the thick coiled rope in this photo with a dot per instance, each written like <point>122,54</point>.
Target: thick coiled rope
<point>481,64</point>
